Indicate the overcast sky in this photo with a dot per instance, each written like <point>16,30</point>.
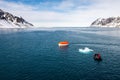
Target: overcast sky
<point>62,13</point>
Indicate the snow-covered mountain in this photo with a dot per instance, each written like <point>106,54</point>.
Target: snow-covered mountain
<point>7,20</point>
<point>107,22</point>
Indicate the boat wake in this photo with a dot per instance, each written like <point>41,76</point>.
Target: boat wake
<point>86,50</point>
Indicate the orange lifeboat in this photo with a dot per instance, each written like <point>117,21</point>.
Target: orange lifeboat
<point>63,43</point>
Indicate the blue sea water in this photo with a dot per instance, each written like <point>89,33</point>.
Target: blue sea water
<point>33,54</point>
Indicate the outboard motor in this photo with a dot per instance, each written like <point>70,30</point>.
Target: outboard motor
<point>97,57</point>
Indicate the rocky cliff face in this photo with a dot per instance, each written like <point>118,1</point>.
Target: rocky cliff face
<point>107,22</point>
<point>7,20</point>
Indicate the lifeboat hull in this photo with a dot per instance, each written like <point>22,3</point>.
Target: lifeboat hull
<point>63,44</point>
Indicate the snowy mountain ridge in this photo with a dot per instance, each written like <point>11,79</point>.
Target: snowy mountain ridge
<point>107,22</point>
<point>7,20</point>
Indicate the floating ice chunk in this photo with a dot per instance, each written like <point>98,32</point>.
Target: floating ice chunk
<point>85,50</point>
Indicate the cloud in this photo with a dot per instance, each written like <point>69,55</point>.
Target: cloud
<point>65,5</point>
<point>64,13</point>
